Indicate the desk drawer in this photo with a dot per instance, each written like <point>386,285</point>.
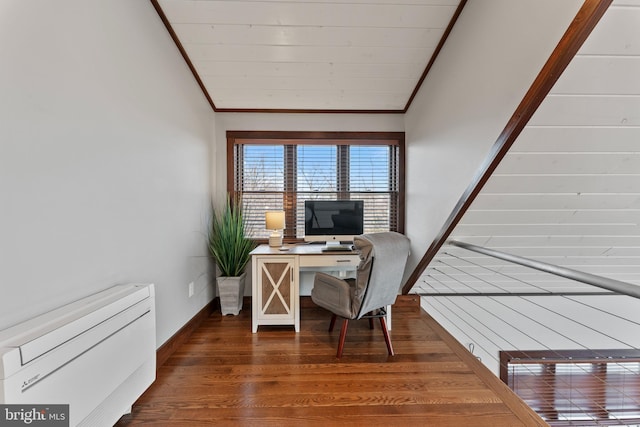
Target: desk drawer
<point>344,261</point>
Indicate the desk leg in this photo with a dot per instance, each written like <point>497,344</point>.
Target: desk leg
<point>296,298</point>
<point>254,295</point>
<point>388,318</point>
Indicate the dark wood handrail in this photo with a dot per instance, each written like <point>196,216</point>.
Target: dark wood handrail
<point>584,22</point>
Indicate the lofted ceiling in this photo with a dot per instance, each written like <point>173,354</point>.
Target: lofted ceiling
<point>319,55</point>
<point>567,191</point>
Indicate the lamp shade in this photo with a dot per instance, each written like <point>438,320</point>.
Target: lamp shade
<point>274,220</point>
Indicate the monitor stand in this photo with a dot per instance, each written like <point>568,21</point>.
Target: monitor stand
<point>336,246</point>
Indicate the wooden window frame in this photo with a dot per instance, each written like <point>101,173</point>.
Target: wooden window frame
<point>341,139</point>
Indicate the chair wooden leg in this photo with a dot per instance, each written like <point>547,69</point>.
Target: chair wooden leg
<point>383,324</point>
<point>333,323</point>
<point>371,323</point>
<point>343,334</point>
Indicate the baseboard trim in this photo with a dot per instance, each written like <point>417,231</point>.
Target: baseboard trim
<point>172,344</point>
<point>165,351</point>
<point>405,301</point>
<point>408,301</point>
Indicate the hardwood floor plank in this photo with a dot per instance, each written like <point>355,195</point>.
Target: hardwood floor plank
<point>435,415</point>
<point>225,375</point>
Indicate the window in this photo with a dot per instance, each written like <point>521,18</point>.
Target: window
<point>580,387</point>
<point>280,170</point>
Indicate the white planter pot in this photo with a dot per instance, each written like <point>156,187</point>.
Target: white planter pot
<point>231,292</point>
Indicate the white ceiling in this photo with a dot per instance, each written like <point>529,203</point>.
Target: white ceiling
<point>568,191</point>
<point>365,55</point>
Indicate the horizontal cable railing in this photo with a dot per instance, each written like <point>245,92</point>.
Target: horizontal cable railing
<point>579,276</point>
<point>569,347</point>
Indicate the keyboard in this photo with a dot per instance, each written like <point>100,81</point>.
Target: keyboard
<point>337,248</point>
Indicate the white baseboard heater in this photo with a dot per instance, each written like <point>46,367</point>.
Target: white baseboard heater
<point>98,355</point>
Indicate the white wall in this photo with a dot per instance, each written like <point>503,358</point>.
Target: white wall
<point>104,159</point>
<point>489,61</point>
<point>290,122</point>
<point>567,191</point>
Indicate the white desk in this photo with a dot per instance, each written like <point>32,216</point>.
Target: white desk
<point>275,293</point>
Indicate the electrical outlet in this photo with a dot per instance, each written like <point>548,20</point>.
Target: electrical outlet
<point>191,289</point>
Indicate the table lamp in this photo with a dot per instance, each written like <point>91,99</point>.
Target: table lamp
<point>274,220</point>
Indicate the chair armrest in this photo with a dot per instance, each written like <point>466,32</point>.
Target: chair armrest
<point>333,294</point>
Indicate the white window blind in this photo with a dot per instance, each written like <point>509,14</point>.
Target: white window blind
<point>281,173</point>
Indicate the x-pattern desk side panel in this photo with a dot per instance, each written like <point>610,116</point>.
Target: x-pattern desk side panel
<point>276,298</point>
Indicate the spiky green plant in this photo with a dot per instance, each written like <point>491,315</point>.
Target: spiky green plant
<point>228,243</point>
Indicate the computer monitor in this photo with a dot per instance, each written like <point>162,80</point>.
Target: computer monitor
<point>333,220</point>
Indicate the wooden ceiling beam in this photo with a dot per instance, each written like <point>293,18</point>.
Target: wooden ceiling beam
<point>582,25</point>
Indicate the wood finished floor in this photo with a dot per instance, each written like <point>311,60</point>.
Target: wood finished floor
<point>225,375</point>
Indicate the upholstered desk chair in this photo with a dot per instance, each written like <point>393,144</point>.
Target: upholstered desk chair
<point>382,261</point>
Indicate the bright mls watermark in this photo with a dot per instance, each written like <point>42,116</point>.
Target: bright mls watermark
<point>34,415</point>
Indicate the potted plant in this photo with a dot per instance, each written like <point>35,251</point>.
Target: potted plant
<point>230,248</point>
